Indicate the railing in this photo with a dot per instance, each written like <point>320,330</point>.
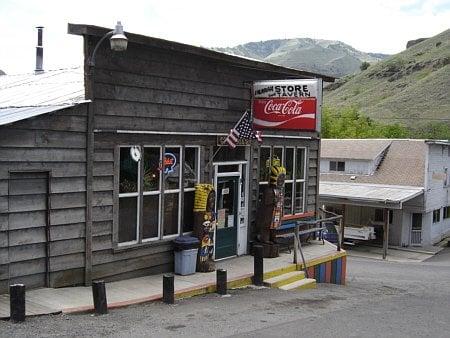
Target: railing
<point>317,227</point>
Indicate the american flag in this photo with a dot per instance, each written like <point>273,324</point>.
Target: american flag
<point>243,130</point>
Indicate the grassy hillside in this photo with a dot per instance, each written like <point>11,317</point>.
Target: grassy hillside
<point>412,87</point>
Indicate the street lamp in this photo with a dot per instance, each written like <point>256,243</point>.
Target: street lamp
<point>119,43</point>
<point>117,39</point>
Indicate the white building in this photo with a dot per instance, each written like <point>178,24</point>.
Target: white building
<point>368,179</point>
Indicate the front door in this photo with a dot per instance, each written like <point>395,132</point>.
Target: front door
<point>227,211</point>
<point>416,230</point>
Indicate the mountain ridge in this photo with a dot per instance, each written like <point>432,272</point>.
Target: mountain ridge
<point>330,57</point>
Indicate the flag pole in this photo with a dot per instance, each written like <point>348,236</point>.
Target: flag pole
<point>222,144</point>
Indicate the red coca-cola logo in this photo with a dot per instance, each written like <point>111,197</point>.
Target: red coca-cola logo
<point>291,107</point>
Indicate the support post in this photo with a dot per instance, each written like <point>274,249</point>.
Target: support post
<point>301,250</point>
<point>168,289</point>
<point>296,238</point>
<point>385,233</point>
<point>99,295</point>
<point>221,281</point>
<point>342,221</point>
<point>17,302</point>
<point>258,266</point>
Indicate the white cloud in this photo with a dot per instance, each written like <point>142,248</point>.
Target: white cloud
<point>376,26</point>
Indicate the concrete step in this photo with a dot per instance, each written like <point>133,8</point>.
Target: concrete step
<point>286,278</point>
<point>305,283</point>
<point>280,271</point>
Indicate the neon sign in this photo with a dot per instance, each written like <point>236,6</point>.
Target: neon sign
<point>170,161</point>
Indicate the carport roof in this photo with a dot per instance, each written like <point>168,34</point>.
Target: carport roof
<point>388,196</point>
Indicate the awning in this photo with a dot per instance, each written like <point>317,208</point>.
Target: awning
<point>372,195</point>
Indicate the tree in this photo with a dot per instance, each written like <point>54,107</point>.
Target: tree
<point>364,66</point>
<point>350,123</point>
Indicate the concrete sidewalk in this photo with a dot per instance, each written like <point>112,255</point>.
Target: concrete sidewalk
<point>149,288</point>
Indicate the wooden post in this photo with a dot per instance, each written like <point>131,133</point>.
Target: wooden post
<point>221,281</point>
<point>343,226</point>
<point>17,302</point>
<point>99,295</point>
<point>168,289</point>
<point>258,265</point>
<point>296,240</point>
<point>385,232</point>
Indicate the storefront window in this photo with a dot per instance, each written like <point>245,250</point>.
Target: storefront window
<point>289,163</point>
<point>264,160</point>
<point>172,169</point>
<point>152,159</point>
<point>188,215</point>
<point>128,172</point>
<point>127,219</point>
<point>150,216</point>
<point>293,159</point>
<point>171,202</point>
<point>156,221</point>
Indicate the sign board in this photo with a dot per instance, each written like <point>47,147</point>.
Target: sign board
<point>287,104</point>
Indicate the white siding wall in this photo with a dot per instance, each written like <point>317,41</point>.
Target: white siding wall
<point>357,167</point>
<point>437,195</point>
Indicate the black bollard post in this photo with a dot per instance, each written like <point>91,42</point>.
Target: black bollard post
<point>17,302</point>
<point>258,277</point>
<point>168,289</point>
<point>99,294</point>
<point>221,281</point>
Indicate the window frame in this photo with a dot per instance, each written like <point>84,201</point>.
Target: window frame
<point>446,212</point>
<point>436,216</point>
<point>293,182</point>
<point>335,165</point>
<point>161,192</point>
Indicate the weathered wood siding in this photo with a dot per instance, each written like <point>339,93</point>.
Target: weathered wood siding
<point>54,145</point>
<point>154,89</point>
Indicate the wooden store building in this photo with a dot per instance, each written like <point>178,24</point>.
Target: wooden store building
<point>98,165</point>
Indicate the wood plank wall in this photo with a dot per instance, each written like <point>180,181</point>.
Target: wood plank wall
<point>148,88</point>
<point>54,143</point>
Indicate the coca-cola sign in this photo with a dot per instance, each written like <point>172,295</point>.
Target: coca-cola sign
<point>287,104</point>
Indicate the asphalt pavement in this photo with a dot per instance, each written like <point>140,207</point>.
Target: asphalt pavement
<point>381,299</point>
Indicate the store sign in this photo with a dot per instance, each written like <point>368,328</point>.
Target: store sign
<point>287,104</point>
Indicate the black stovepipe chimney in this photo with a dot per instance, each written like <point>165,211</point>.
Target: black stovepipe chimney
<point>39,52</point>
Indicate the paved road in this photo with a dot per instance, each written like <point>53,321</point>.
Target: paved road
<point>382,299</point>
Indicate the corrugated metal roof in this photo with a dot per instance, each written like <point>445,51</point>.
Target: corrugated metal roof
<point>368,192</point>
<point>403,164</point>
<point>27,95</point>
<point>354,149</point>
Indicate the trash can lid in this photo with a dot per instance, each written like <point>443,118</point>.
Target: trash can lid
<point>186,240</point>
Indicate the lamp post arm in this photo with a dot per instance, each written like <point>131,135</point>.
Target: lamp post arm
<point>91,61</point>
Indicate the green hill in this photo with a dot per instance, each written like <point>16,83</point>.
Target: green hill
<point>412,87</point>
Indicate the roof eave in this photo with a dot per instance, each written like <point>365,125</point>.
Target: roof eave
<point>81,29</point>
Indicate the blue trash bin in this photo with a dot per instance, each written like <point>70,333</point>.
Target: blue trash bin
<point>186,249</point>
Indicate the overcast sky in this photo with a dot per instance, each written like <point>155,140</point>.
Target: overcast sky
<point>370,26</point>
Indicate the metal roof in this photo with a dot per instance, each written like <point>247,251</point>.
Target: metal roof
<point>389,195</point>
<point>28,95</point>
<point>354,149</point>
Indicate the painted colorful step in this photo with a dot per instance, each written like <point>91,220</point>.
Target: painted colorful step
<point>286,278</point>
<point>305,283</point>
